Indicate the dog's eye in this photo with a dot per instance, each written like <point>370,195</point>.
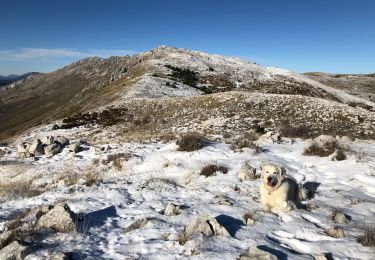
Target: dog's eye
<point>267,172</point>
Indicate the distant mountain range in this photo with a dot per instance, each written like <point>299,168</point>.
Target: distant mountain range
<point>6,80</point>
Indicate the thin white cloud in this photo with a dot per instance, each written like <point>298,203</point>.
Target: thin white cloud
<point>56,53</point>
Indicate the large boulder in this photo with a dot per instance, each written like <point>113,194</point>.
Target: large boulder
<point>14,251</point>
<point>60,218</point>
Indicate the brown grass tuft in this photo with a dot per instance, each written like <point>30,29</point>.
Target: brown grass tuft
<point>117,159</point>
<point>368,236</point>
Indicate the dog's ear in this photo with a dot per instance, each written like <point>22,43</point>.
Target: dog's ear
<point>282,171</point>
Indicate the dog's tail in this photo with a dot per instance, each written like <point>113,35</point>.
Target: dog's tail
<point>302,193</point>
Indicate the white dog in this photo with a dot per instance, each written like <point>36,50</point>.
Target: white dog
<point>278,191</point>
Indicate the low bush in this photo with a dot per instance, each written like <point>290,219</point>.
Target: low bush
<point>321,150</point>
<point>212,169</point>
<point>190,142</point>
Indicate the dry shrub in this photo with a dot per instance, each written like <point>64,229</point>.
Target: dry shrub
<point>211,169</point>
<point>18,189</point>
<point>295,131</point>
<point>368,236</point>
<point>245,140</point>
<point>91,177</point>
<point>322,150</point>
<point>166,138</point>
<point>340,155</point>
<point>117,158</point>
<point>190,142</point>
<point>69,177</point>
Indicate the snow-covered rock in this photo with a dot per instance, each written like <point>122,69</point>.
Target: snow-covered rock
<point>247,172</point>
<point>257,253</point>
<point>60,218</point>
<point>15,251</point>
<point>206,225</point>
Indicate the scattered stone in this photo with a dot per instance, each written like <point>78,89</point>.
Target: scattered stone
<point>75,148</point>
<point>62,140</point>
<point>48,140</point>
<point>339,217</point>
<point>335,232</point>
<point>206,225</point>
<point>254,252</point>
<point>249,220</point>
<point>270,138</point>
<point>354,201</point>
<point>223,200</point>
<point>140,223</point>
<point>36,148</point>
<point>172,210</point>
<point>320,257</point>
<point>60,219</point>
<point>310,206</point>
<point>53,149</point>
<point>247,172</point>
<point>14,251</point>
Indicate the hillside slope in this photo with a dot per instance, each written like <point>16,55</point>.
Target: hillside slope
<point>94,84</point>
<point>361,85</point>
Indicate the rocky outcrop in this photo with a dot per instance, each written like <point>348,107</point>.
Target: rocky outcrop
<point>48,146</point>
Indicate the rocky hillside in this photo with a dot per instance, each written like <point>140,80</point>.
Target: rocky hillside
<point>96,84</point>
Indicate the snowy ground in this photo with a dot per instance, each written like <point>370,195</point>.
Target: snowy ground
<point>157,174</point>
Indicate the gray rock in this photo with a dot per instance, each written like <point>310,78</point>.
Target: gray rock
<point>335,232</point>
<point>206,225</point>
<point>75,147</point>
<point>14,251</point>
<point>254,252</point>
<point>339,217</point>
<point>48,140</point>
<point>36,148</point>
<point>62,140</point>
<point>247,172</point>
<point>53,149</point>
<point>60,218</point>
<point>172,209</point>
<point>140,223</point>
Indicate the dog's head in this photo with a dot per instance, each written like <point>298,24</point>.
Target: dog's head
<point>272,175</point>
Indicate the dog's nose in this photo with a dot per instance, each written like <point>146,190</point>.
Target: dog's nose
<point>269,178</point>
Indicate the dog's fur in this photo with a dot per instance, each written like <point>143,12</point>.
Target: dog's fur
<point>278,191</point>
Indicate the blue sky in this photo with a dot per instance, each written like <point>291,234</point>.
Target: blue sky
<point>329,36</point>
